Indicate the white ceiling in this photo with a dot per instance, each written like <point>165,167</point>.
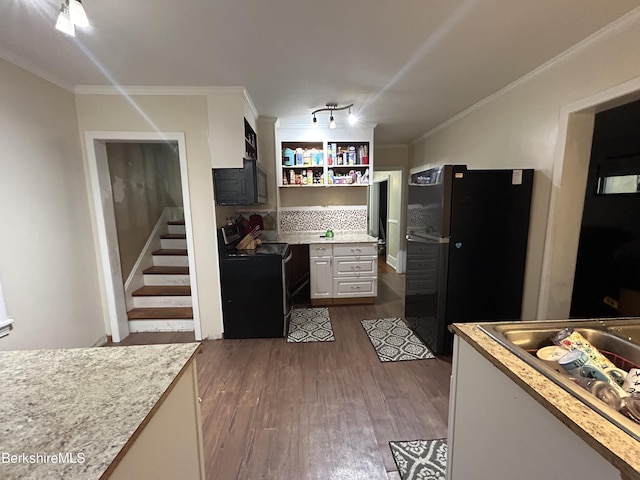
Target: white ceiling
<point>408,65</point>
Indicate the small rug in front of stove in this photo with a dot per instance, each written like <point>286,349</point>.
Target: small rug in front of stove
<point>421,459</point>
<point>394,341</point>
<point>310,325</point>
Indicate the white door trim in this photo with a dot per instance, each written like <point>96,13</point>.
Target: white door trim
<point>568,181</point>
<point>104,217</point>
<point>400,260</point>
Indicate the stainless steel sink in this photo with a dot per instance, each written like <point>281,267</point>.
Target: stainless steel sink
<point>619,337</point>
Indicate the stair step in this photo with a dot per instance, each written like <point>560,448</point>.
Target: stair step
<point>158,270</point>
<point>171,251</point>
<point>163,290</point>
<point>176,236</point>
<point>160,313</point>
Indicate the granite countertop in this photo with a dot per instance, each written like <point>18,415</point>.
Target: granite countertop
<point>614,444</point>
<point>79,405</point>
<point>301,238</point>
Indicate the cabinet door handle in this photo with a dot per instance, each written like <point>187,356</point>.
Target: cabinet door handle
<point>354,250</point>
<point>355,287</point>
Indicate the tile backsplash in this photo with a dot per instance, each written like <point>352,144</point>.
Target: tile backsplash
<point>309,219</point>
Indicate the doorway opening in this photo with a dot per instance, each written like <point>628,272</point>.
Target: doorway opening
<point>607,274</point>
<point>568,187</point>
<point>385,215</point>
<point>106,196</point>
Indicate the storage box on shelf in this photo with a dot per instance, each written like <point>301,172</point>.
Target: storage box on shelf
<point>325,163</point>
<point>343,273</point>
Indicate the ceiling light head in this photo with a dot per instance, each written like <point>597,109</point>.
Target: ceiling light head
<point>77,14</point>
<point>332,122</point>
<point>315,120</point>
<point>64,23</point>
<point>352,118</point>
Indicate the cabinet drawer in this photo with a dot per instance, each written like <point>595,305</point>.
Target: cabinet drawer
<point>355,266</point>
<point>319,250</point>
<point>354,249</point>
<point>355,287</point>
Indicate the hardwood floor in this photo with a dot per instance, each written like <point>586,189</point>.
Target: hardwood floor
<point>302,411</point>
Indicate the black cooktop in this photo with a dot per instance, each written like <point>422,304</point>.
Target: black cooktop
<point>279,249</point>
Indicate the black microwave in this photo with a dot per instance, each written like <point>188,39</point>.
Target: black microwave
<point>240,186</point>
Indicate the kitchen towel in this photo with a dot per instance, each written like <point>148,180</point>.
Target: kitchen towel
<point>394,341</point>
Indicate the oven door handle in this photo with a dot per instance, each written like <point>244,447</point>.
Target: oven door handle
<point>286,260</point>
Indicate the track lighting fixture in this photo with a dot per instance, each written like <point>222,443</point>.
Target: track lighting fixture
<point>72,14</point>
<point>333,107</point>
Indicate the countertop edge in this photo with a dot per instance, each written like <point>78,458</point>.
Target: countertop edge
<point>312,237</point>
<point>134,436</point>
<point>612,443</point>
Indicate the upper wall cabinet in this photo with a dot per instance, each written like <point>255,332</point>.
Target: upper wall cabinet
<point>231,116</point>
<point>320,157</point>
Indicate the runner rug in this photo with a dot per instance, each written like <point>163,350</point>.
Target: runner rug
<point>394,341</point>
<point>310,325</point>
<point>421,459</point>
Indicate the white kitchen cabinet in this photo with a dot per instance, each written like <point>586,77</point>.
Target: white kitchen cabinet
<point>230,112</point>
<point>320,271</point>
<point>355,270</point>
<point>319,157</point>
<point>343,272</point>
<point>498,430</point>
<point>321,278</point>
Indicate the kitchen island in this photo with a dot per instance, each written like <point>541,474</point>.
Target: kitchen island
<point>507,420</point>
<point>96,413</point>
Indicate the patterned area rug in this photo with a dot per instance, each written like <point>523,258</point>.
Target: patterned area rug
<point>421,459</point>
<point>310,325</point>
<point>394,341</point>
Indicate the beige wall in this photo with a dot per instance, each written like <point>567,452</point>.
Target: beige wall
<point>168,113</point>
<point>391,156</point>
<point>525,126</point>
<point>47,258</point>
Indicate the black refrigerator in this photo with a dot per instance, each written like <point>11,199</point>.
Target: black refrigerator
<point>466,248</point>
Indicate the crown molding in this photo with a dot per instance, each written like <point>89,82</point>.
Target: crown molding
<point>631,18</point>
<point>131,90</point>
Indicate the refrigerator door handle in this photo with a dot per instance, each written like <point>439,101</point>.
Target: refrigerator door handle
<point>426,238</point>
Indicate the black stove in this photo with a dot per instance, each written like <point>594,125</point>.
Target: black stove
<point>256,302</point>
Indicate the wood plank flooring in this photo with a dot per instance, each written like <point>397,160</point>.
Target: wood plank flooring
<point>327,410</point>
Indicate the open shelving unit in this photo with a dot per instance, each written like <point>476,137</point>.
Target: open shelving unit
<point>325,163</point>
